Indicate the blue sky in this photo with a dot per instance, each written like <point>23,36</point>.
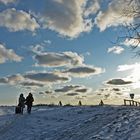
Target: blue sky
<point>65,50</point>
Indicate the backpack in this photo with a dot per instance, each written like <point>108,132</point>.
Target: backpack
<point>17,110</point>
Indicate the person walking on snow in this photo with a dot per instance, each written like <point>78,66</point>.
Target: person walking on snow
<point>21,102</point>
<point>29,102</point>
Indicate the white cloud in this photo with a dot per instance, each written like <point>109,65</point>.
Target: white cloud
<point>31,84</point>
<point>48,92</point>
<point>108,93</point>
<point>51,59</point>
<point>67,17</point>
<point>127,67</point>
<point>12,79</point>
<point>35,79</point>
<point>45,77</point>
<point>47,41</point>
<point>84,71</point>
<point>135,71</point>
<point>7,1</point>
<point>115,14</point>
<point>72,94</point>
<point>71,89</point>
<point>17,20</point>
<point>118,82</point>
<point>67,88</point>
<point>37,49</point>
<point>116,50</point>
<point>8,54</point>
<point>19,80</point>
<point>3,80</point>
<point>93,7</point>
<point>82,90</point>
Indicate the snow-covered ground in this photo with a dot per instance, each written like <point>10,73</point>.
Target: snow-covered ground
<point>71,123</point>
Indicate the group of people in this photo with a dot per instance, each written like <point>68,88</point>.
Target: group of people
<point>25,101</point>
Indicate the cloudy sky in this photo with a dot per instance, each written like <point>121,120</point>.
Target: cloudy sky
<point>66,50</point>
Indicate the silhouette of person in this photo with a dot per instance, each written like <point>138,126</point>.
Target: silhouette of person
<point>60,103</point>
<point>80,103</point>
<point>101,103</point>
<point>21,102</point>
<point>29,102</point>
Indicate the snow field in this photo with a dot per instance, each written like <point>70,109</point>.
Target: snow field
<point>71,123</point>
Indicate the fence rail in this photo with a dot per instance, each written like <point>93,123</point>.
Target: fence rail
<point>131,102</point>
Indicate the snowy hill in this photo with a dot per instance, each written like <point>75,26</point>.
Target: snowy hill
<point>71,123</point>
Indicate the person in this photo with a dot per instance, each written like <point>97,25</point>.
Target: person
<point>21,102</point>
<point>101,103</point>
<point>29,102</point>
<point>60,103</point>
<point>79,103</point>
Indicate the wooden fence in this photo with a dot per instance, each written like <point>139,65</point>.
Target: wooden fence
<point>131,102</point>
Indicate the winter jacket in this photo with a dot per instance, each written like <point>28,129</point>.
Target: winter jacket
<point>21,101</point>
<point>29,100</point>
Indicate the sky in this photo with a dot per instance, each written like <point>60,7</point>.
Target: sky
<point>67,50</point>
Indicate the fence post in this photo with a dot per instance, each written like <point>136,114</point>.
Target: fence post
<point>130,102</point>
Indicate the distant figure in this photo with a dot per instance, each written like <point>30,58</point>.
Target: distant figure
<point>21,102</point>
<point>60,103</point>
<point>29,102</point>
<point>132,95</point>
<point>101,103</point>
<point>80,103</point>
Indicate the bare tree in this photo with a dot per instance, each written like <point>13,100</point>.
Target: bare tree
<point>131,32</point>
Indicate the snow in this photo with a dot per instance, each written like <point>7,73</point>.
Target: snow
<point>71,123</point>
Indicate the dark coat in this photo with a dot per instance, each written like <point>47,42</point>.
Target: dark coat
<point>29,100</point>
<point>21,101</point>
